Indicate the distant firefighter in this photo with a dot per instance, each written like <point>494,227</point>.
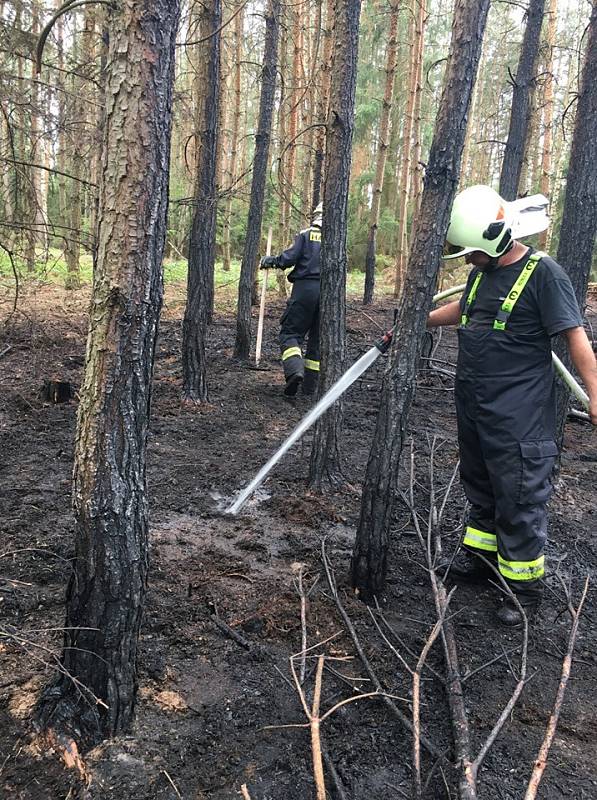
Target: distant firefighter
<point>300,320</point>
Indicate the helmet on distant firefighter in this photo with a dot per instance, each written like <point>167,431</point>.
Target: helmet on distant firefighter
<point>480,220</point>
<point>317,215</point>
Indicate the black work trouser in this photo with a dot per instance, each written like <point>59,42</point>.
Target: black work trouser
<point>508,484</point>
<point>300,320</point>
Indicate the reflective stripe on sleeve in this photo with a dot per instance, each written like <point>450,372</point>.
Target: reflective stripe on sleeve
<point>310,364</point>
<point>522,570</point>
<point>480,540</point>
<point>291,351</point>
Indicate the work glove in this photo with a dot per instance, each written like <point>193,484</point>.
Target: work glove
<point>267,262</point>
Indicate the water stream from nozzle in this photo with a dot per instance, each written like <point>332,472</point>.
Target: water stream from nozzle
<point>350,377</point>
<point>326,401</point>
<point>357,369</point>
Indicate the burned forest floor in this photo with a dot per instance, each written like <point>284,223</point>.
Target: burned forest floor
<point>223,611</point>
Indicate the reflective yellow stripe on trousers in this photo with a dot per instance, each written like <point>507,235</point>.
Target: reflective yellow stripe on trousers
<point>310,364</point>
<point>291,351</point>
<point>522,570</point>
<point>480,540</point>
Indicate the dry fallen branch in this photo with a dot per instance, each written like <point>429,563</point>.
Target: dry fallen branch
<point>431,544</point>
<point>387,699</point>
<point>172,784</point>
<point>541,760</point>
<point>313,714</point>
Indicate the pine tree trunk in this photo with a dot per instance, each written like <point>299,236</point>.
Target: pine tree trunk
<point>325,463</point>
<point>472,129</point>
<point>406,158</point>
<point>282,119</point>
<point>242,345</point>
<point>441,178</point>
<point>75,168</point>
<point>233,161</point>
<point>520,114</point>
<point>288,163</point>
<point>548,106</point>
<point>382,152</point>
<point>579,221</point>
<point>107,590</point>
<point>417,169</point>
<point>323,102</point>
<point>202,241</point>
<point>560,152</point>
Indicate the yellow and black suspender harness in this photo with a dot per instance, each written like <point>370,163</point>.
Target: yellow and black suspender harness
<point>503,314</point>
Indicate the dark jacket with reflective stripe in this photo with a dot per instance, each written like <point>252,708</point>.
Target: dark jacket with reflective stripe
<point>303,255</point>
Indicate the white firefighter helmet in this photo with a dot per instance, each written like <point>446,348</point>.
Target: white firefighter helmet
<point>482,220</point>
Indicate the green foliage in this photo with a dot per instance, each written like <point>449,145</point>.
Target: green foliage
<point>50,267</point>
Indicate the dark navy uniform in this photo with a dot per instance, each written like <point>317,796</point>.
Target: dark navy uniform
<point>505,405</point>
<point>300,319</point>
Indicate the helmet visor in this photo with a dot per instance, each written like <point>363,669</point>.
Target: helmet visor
<point>454,250</point>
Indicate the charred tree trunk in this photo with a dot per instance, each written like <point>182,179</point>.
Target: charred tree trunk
<point>202,241</point>
<point>382,152</point>
<point>107,590</point>
<point>579,221</point>
<point>242,345</point>
<point>441,178</point>
<point>325,454</point>
<point>520,114</point>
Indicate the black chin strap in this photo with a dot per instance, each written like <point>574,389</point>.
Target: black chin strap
<point>493,262</point>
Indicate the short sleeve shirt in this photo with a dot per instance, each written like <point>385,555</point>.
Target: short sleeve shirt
<point>546,305</point>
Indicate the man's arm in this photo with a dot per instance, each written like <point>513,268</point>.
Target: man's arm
<point>583,358</point>
<point>292,254</point>
<point>448,314</point>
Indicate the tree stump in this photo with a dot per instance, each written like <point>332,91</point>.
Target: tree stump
<point>54,391</point>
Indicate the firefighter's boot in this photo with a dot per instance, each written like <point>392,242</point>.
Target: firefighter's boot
<point>467,568</point>
<point>529,598</point>
<point>294,370</point>
<point>310,382</point>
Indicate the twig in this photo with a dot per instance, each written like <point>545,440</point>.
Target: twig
<point>541,760</point>
<point>331,768</point>
<point>502,719</point>
<point>178,794</point>
<point>458,716</point>
<point>416,695</point>
<point>315,733</point>
<point>229,631</point>
<point>303,597</point>
<point>70,5</point>
<point>406,723</point>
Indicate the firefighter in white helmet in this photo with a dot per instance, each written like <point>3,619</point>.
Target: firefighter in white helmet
<point>515,301</point>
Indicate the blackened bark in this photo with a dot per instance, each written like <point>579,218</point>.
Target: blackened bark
<point>579,220</point>
<point>242,345</point>
<point>441,178</point>
<point>202,241</point>
<point>521,105</point>
<point>106,593</point>
<point>325,454</point>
